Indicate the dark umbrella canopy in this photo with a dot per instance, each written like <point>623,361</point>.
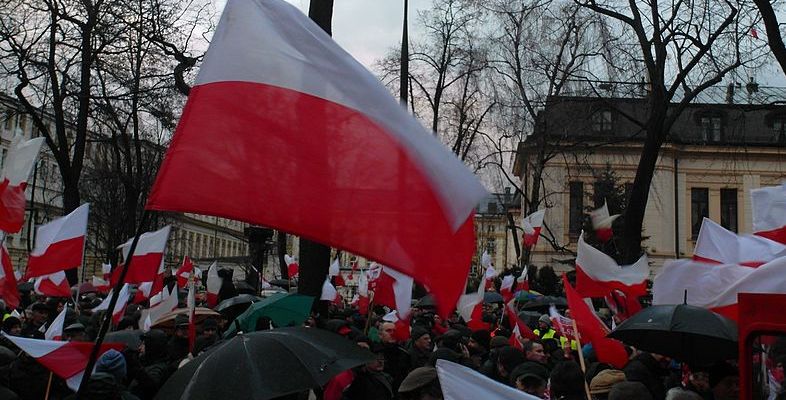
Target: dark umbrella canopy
<point>492,297</point>
<point>687,333</point>
<point>239,300</point>
<point>282,283</point>
<point>543,303</point>
<point>264,365</point>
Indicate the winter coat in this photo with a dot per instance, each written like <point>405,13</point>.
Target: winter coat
<point>370,385</point>
<point>397,364</point>
<point>104,386</point>
<point>646,369</point>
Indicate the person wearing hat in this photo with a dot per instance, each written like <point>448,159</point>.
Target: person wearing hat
<point>208,337</point>
<point>371,381</point>
<point>75,333</point>
<point>155,365</point>
<point>601,384</point>
<point>478,346</point>
<point>12,326</point>
<point>39,315</point>
<point>420,347</point>
<point>177,349</point>
<point>545,331</point>
<point>421,384</point>
<point>107,379</point>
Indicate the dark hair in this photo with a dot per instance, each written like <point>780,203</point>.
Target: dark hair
<point>567,379</point>
<point>530,344</point>
<point>629,390</point>
<point>531,381</point>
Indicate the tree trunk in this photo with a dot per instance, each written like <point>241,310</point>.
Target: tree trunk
<point>71,201</point>
<point>315,257</point>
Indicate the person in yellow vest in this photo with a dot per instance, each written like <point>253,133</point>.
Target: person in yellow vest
<point>545,331</point>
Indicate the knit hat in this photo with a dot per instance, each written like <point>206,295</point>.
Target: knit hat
<point>545,319</point>
<point>418,378</point>
<point>112,362</point>
<point>418,332</point>
<point>604,380</point>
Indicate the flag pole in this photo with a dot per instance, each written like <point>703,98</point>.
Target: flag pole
<point>79,281</point>
<point>581,359</point>
<point>48,386</point>
<point>104,328</point>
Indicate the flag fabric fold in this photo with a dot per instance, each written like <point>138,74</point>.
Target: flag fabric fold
<point>592,330</point>
<point>120,305</point>
<point>460,383</point>
<point>55,329</point>
<point>148,258</point>
<point>213,285</point>
<point>8,281</point>
<point>293,268</point>
<point>275,85</point>
<point>717,245</point>
<point>768,206</point>
<point>52,285</point>
<point>59,244</point>
<point>17,167</point>
<point>602,221</point>
<point>506,288</point>
<point>184,272</point>
<point>393,289</point>
<point>67,360</point>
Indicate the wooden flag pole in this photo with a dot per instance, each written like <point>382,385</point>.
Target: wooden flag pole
<point>581,359</point>
<point>48,386</point>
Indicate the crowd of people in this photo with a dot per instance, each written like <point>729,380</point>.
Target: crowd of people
<point>403,367</point>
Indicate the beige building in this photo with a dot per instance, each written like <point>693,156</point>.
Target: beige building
<point>715,155</point>
<point>492,232</point>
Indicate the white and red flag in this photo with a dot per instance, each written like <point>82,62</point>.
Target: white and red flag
<point>335,272</point>
<point>120,305</point>
<point>16,171</point>
<point>213,285</point>
<point>150,316</point>
<point>470,307</point>
<point>459,383</point>
<point>768,205</point>
<point>293,268</point>
<point>592,330</point>
<point>506,288</point>
<point>191,305</point>
<point>532,225</point>
<point>717,245</point>
<point>598,275</point>
<point>716,286</point>
<point>522,282</point>
<point>67,360</point>
<point>329,292</point>
<point>519,328</point>
<point>403,327</point>
<point>184,272</point>
<point>602,221</point>
<point>393,289</point>
<point>59,244</point>
<point>8,280</point>
<point>562,324</point>
<point>52,285</point>
<point>55,329</point>
<point>363,298</point>
<point>147,261</point>
<point>106,272</point>
<point>489,273</point>
<point>338,130</point>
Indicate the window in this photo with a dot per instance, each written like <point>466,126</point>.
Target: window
<point>779,130</point>
<point>601,121</point>
<point>728,203</point>
<point>711,129</point>
<point>9,121</point>
<point>491,246</point>
<point>699,209</point>
<point>576,209</point>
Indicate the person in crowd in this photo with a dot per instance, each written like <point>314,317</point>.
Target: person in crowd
<point>177,348</point>
<point>420,349</point>
<point>629,391</point>
<point>397,359</point>
<point>724,382</point>
<point>371,381</point>
<point>649,369</point>
<point>534,362</point>
<point>208,337</point>
<point>106,382</point>
<point>531,384</point>
<point>156,366</point>
<point>678,393</point>
<point>601,384</point>
<point>7,358</point>
<point>698,381</point>
<point>12,326</point>
<point>544,330</point>
<point>439,326</point>
<point>75,333</point>
<point>39,315</point>
<point>567,382</point>
<point>478,345</point>
<point>421,384</point>
<point>508,359</point>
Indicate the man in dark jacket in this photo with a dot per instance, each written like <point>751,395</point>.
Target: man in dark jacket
<point>106,383</point>
<point>371,382</point>
<point>155,365</point>
<point>397,360</point>
<point>648,369</point>
<point>40,315</point>
<point>420,350</point>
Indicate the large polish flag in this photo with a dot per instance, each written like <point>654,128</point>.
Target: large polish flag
<point>16,170</point>
<point>393,289</point>
<point>532,224</point>
<point>459,382</point>
<point>59,244</point>
<point>769,212</point>
<point>717,245</point>
<point>276,92</point>
<point>67,360</point>
<point>716,286</point>
<point>52,285</point>
<point>148,259</point>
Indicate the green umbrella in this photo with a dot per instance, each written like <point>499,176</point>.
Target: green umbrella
<point>284,309</point>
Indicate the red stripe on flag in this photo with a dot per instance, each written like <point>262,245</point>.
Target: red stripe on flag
<point>71,359</point>
<point>59,256</point>
<point>778,235</point>
<point>144,268</point>
<point>12,206</point>
<point>350,175</point>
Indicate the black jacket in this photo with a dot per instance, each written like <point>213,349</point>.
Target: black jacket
<point>370,385</point>
<point>646,369</point>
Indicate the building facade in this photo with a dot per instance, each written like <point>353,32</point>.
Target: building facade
<point>492,229</point>
<point>714,155</point>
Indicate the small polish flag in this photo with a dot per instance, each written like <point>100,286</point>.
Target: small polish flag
<point>335,272</point>
<point>506,288</point>
<point>292,266</point>
<point>522,282</point>
<point>100,284</point>
<point>363,300</point>
<point>18,165</point>
<point>184,272</point>
<point>393,289</point>
<point>120,305</point>
<point>532,224</point>
<point>106,271</point>
<point>520,329</point>
<point>55,330</point>
<point>52,285</point>
<point>8,278</point>
<point>154,313</point>
<point>213,285</point>
<point>329,292</point>
<point>148,258</point>
<point>59,244</point>
<point>602,221</point>
<point>65,359</point>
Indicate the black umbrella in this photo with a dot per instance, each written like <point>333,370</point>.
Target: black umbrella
<point>492,297</point>
<point>687,333</point>
<point>529,317</point>
<point>131,338</point>
<point>265,364</point>
<point>239,301</point>
<point>282,283</point>
<point>542,303</point>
